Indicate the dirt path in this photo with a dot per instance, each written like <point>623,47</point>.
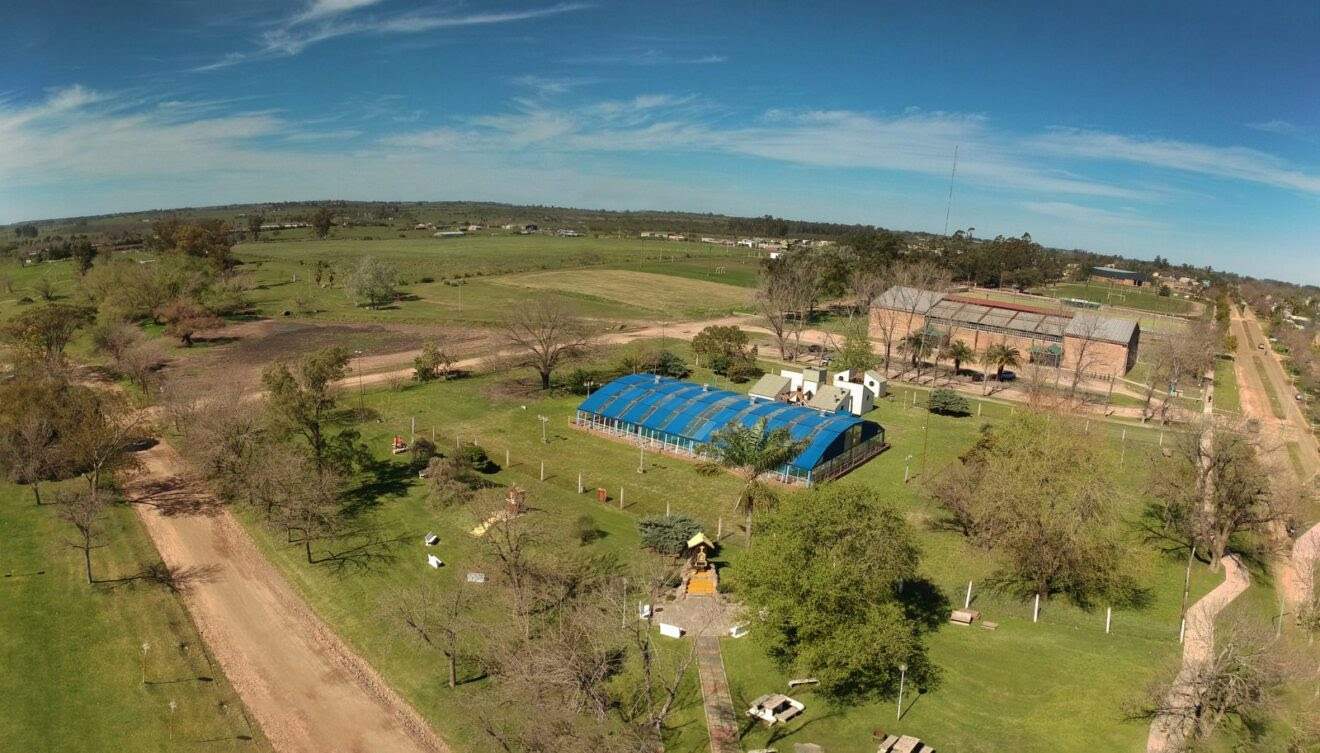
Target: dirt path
<point>307,689</point>
<point>1167,732</point>
<point>721,720</point>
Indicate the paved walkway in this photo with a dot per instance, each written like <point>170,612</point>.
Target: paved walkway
<point>721,720</point>
<point>1168,731</point>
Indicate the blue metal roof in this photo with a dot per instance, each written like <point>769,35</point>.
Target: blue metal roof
<point>695,412</point>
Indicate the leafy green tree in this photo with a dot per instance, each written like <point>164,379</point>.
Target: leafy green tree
<point>432,363</point>
<point>322,219</point>
<point>254,223</point>
<point>717,340</point>
<point>41,335</point>
<point>373,281</point>
<point>751,452</point>
<point>1042,496</point>
<point>83,254</point>
<point>302,400</point>
<point>947,402</point>
<point>825,591</point>
<point>856,352</point>
<point>667,534</point>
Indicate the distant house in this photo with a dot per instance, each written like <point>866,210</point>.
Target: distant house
<point>1116,276</point>
<point>448,234</point>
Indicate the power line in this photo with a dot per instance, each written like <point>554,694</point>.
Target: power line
<point>949,207</point>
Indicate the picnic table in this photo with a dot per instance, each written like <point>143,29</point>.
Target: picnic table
<point>904,744</point>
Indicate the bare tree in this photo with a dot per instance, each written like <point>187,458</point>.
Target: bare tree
<point>1236,679</point>
<point>906,300</point>
<point>103,428</point>
<point>786,294</point>
<point>83,510</point>
<point>29,448</point>
<point>1219,485</point>
<point>509,541</point>
<point>435,616</point>
<point>545,333</point>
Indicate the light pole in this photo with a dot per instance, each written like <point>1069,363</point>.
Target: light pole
<point>907,468</point>
<point>589,384</point>
<point>641,454</point>
<point>173,706</point>
<point>362,389</point>
<point>544,420</point>
<point>145,648</point>
<point>902,680</point>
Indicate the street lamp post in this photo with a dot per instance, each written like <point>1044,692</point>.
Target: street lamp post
<point>902,681</point>
<point>907,468</point>
<point>362,388</point>
<point>544,420</point>
<point>641,454</point>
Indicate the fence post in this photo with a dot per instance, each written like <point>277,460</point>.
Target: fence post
<point>620,497</point>
<point>506,457</point>
<point>1182,630</point>
<point>1035,613</point>
<point>968,602</point>
<point>579,483</point>
<point>666,508</point>
<point>719,529</point>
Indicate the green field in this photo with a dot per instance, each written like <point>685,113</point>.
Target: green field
<point>1226,386</point>
<point>71,652</point>
<point>1142,299</point>
<point>991,700</point>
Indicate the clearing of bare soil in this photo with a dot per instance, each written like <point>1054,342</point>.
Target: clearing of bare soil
<point>306,688</point>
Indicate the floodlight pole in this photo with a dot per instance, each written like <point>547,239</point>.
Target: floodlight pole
<point>362,389</point>
<point>145,648</point>
<point>925,445</point>
<point>544,420</point>
<point>641,455</point>
<point>902,681</point>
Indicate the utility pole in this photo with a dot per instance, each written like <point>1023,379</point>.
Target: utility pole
<point>362,389</point>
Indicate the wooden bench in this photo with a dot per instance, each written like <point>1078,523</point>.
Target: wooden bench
<point>964,616</point>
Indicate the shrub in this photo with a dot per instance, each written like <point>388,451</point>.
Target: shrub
<point>426,279</point>
<point>422,451</point>
<point>948,403</point>
<point>476,457</point>
<point>743,371</point>
<point>585,529</point>
<point>667,534</point>
<point>450,480</point>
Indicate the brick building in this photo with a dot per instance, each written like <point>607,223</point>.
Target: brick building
<point>1095,345</point>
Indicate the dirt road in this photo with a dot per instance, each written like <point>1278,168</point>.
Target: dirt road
<point>1255,399</point>
<point>306,688</point>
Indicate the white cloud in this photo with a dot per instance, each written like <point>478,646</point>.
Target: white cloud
<point>1233,162</point>
<point>322,8</point>
<point>1277,126</point>
<point>302,31</point>
<point>1076,213</point>
<point>648,57</point>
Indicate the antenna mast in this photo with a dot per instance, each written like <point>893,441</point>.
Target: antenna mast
<point>949,208</point>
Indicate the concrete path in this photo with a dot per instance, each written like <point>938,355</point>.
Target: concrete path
<point>306,688</point>
<point>1168,732</point>
<point>721,719</point>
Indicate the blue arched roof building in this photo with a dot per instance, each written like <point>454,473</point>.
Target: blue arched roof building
<point>679,416</point>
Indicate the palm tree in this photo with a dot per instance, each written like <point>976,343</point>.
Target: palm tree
<point>751,452</point>
<point>918,346</point>
<point>1001,356</point>
<point>959,351</point>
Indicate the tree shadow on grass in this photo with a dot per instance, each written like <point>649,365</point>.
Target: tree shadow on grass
<point>925,603</point>
<point>383,479</point>
<point>358,551</point>
<point>176,579</point>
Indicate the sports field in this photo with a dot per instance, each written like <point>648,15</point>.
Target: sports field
<point>1143,299</point>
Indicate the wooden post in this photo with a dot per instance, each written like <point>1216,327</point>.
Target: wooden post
<point>979,406</point>
<point>506,457</point>
<point>1035,613</point>
<point>620,497</point>
<point>433,433</point>
<point>967,603</point>
<point>719,529</point>
<point>543,470</point>
<point>666,508</point>
<point>579,483</point>
<point>1182,630</point>
<point>1109,618</point>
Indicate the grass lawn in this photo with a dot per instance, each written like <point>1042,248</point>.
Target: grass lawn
<point>654,294</point>
<point>1226,386</point>
<point>72,654</point>
<point>1061,681</point>
<point>1142,299</point>
<point>1276,407</point>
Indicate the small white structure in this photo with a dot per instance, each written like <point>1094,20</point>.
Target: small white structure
<point>671,631</point>
<point>476,577</point>
<point>863,388</point>
<point>434,561</point>
<point>738,631</point>
<point>644,611</point>
<point>431,539</point>
<point>805,383</point>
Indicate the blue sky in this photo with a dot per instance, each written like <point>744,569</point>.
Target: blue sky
<point>1180,129</point>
